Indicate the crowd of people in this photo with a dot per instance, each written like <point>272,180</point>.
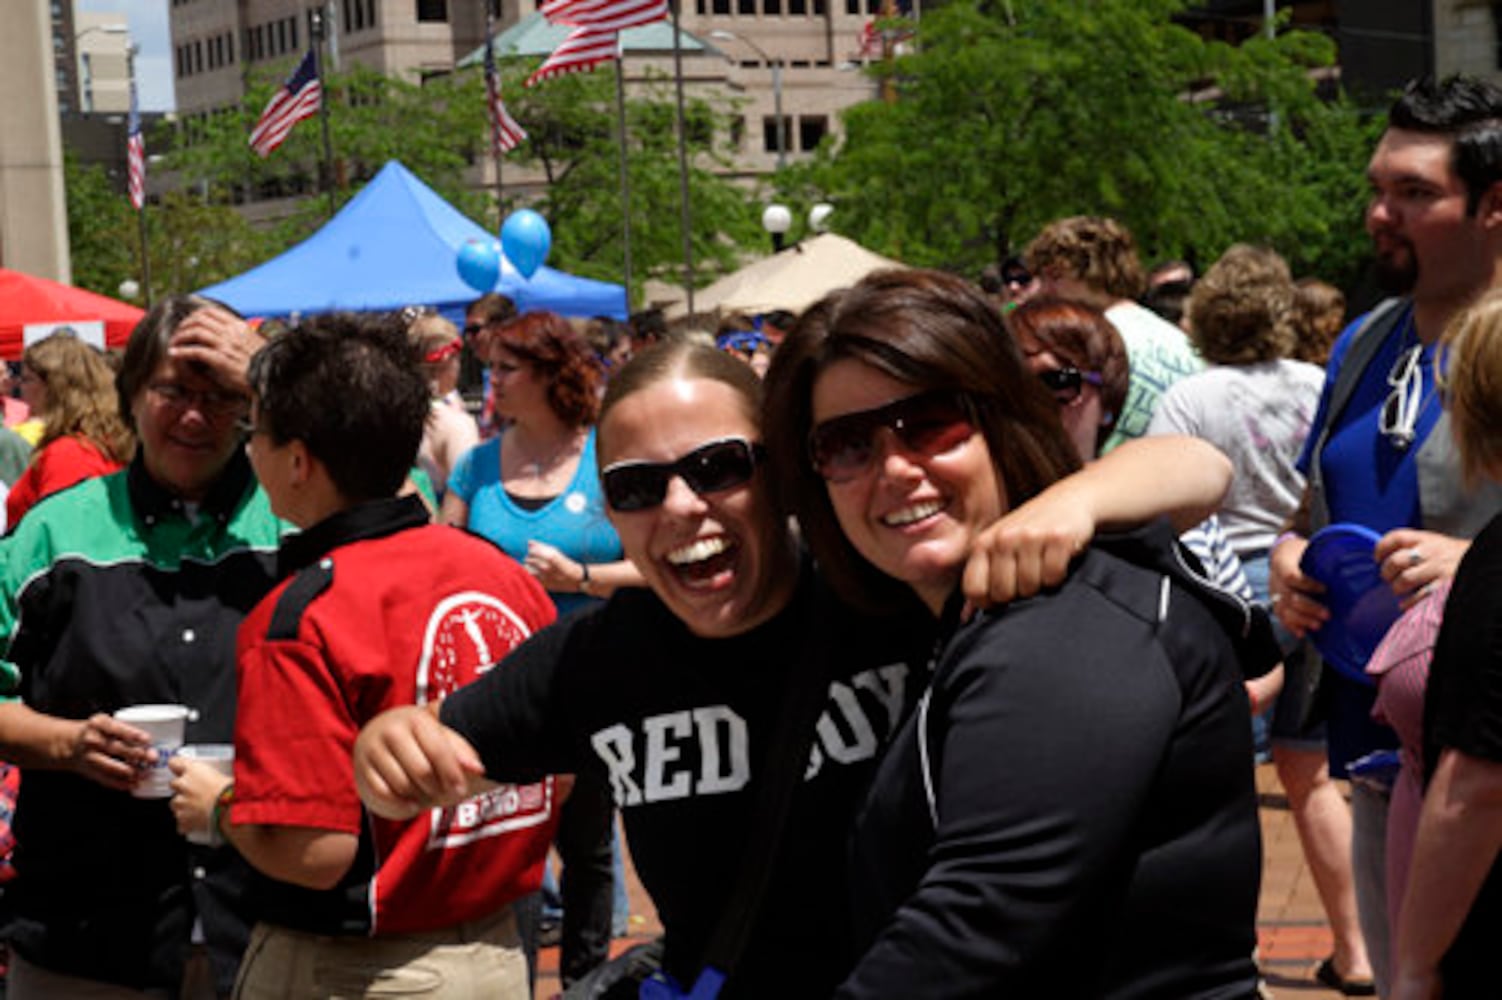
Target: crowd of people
<point>923,643</point>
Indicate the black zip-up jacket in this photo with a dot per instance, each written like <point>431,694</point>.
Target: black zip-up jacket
<point>1071,812</point>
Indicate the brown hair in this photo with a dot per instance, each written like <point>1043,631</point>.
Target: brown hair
<point>683,359</point>
<point>1319,311</point>
<point>562,357</point>
<point>1470,367</point>
<point>1097,251</point>
<point>932,331</point>
<point>1079,335</point>
<point>81,396</point>
<point>1241,311</point>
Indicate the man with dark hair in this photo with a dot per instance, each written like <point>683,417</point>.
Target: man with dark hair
<point>1094,260</point>
<point>378,609</point>
<point>1380,453</point>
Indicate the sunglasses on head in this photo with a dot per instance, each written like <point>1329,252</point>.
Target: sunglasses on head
<point>1067,383</point>
<point>930,423</point>
<point>722,464</point>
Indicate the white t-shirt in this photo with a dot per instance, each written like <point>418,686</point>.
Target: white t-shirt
<point>1159,354</point>
<point>1259,416</point>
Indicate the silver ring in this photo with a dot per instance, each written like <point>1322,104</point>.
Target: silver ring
<point>1274,599</point>
<point>1415,557</point>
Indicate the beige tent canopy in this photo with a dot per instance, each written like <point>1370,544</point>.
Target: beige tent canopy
<point>793,280</point>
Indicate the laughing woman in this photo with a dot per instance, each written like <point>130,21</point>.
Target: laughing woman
<point>674,693</point>
<point>1070,811</point>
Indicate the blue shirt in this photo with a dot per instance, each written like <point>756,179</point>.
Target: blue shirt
<point>1368,479</point>
<point>1372,482</point>
<point>573,522</point>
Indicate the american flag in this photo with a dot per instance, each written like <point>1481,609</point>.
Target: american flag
<point>604,15</point>
<point>583,49</point>
<point>505,133</point>
<point>297,99</point>
<point>135,154</point>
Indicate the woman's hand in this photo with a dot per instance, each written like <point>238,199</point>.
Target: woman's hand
<point>1028,549</point>
<point>1295,597</point>
<point>196,787</point>
<point>106,750</point>
<point>1413,561</point>
<point>554,570</point>
<point>219,341</point>
<point>407,761</point>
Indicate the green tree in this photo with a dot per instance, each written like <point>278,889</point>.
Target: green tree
<point>1010,114</point>
<point>192,242</point>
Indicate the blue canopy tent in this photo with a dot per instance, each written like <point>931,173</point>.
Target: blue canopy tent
<point>393,245</point>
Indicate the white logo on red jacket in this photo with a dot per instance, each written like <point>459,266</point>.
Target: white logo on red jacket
<point>466,635</point>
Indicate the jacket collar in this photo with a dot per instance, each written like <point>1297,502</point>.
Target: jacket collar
<point>152,501</point>
<point>373,519</point>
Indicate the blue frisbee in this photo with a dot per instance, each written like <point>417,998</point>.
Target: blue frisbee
<point>1362,605</point>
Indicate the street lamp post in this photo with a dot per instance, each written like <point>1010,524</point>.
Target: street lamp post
<point>776,220</point>
<point>776,64</point>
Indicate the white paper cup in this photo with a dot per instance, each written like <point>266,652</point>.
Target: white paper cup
<point>219,756</point>
<point>164,724</point>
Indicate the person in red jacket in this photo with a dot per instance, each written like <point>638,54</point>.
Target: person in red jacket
<point>377,608</point>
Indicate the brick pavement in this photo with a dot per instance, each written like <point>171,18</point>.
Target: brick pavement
<point>1291,928</point>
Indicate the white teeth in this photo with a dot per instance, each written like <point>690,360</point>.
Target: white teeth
<point>915,512</point>
<point>698,550</point>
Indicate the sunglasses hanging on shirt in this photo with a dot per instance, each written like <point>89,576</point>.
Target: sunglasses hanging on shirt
<point>1400,411</point>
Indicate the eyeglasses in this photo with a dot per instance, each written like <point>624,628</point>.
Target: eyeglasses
<point>1400,411</point>
<point>722,464</point>
<point>1067,383</point>
<point>932,423</point>
<point>213,402</point>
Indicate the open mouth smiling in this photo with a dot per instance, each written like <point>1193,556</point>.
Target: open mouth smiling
<point>913,513</point>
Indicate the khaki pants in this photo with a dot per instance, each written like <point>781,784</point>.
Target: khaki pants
<point>482,958</point>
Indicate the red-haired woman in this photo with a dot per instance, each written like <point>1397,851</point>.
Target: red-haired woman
<point>535,492</point>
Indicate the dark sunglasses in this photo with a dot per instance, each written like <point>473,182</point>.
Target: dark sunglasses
<point>721,464</point>
<point>931,423</point>
<point>1066,384</point>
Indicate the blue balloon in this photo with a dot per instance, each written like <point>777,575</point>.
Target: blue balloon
<point>526,240</point>
<point>479,264</point>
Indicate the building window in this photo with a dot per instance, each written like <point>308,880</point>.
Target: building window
<point>432,10</point>
<point>746,8</point>
<point>292,26</point>
<point>769,133</point>
<point>720,6</point>
<point>797,7</point>
<point>229,47</point>
<point>700,7</point>
<point>852,6</point>
<point>811,131</point>
<point>819,8</point>
<point>198,57</point>
<point>772,6</point>
<point>370,12</point>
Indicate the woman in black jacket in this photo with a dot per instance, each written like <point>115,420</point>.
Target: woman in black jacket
<point>1071,810</point>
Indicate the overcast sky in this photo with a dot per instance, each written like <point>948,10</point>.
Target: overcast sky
<point>148,29</point>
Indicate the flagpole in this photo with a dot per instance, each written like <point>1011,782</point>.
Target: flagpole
<point>136,158</point>
<point>496,153</point>
<point>685,211</point>
<point>620,110</point>
<point>145,255</point>
<point>316,17</point>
